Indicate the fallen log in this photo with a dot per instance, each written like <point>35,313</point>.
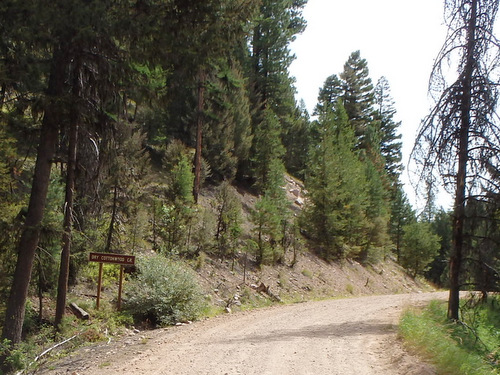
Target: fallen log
<point>262,288</point>
<point>79,312</point>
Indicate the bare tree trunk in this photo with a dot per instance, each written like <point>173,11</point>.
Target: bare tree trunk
<point>463,154</point>
<point>199,134</point>
<point>40,288</point>
<point>62,287</point>
<point>30,235</point>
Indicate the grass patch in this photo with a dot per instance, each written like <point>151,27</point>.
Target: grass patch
<point>251,300</point>
<point>307,273</point>
<point>283,281</point>
<point>349,288</point>
<point>455,348</point>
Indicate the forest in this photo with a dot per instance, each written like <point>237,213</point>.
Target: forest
<point>118,116</point>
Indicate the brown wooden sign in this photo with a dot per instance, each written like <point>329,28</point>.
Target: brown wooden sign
<point>112,258</point>
<point>122,260</point>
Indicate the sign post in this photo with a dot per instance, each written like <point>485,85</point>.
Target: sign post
<point>99,282</point>
<point>122,260</point>
<point>120,285</point>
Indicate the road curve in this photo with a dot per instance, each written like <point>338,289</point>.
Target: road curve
<point>347,336</point>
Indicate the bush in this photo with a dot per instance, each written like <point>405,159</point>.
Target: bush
<point>12,358</point>
<point>164,292</point>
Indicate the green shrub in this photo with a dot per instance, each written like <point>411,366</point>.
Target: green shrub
<point>349,288</point>
<point>200,260</point>
<point>15,358</point>
<point>307,273</point>
<point>164,292</point>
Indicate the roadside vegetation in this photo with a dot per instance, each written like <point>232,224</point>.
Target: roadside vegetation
<point>162,292</point>
<point>469,346</point>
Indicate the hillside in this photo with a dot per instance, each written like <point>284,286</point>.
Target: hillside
<point>310,278</point>
<point>232,282</point>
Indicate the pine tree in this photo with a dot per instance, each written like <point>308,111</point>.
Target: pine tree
<point>31,232</point>
<point>297,140</point>
<point>390,144</point>
<point>420,246</point>
<point>203,31</point>
<point>401,215</point>
<point>271,87</point>
<point>71,44</point>
<point>270,215</point>
<point>267,148</point>
<point>337,186</point>
<point>332,90</point>
<point>228,220</point>
<point>358,97</point>
<point>275,27</point>
<point>377,214</point>
<point>228,126</point>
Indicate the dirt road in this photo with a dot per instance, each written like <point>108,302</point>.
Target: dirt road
<point>349,336</point>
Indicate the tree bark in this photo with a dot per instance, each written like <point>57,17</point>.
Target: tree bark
<point>62,287</point>
<point>463,154</point>
<point>30,235</point>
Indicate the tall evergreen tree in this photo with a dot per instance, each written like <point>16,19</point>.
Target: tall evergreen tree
<point>228,220</point>
<point>228,126</point>
<point>202,38</point>
<point>31,232</point>
<point>358,97</point>
<point>275,27</point>
<point>74,43</point>
<point>420,246</point>
<point>267,149</point>
<point>401,214</point>
<point>377,214</point>
<point>332,90</point>
<point>390,139</point>
<point>270,215</point>
<point>337,186</point>
<point>271,87</point>
<point>297,141</point>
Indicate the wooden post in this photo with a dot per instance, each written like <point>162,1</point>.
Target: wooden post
<point>120,288</point>
<point>99,282</point>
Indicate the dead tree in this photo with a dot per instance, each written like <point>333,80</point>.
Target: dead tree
<point>460,138</point>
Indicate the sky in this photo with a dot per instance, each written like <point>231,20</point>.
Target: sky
<point>399,39</point>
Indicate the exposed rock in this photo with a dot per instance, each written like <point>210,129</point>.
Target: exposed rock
<point>299,201</point>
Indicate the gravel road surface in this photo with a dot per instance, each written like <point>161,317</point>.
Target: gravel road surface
<point>347,336</point>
